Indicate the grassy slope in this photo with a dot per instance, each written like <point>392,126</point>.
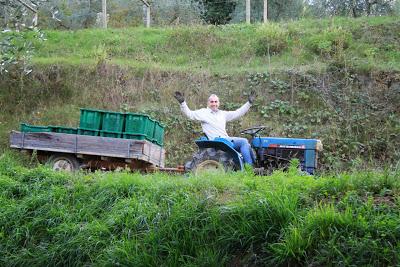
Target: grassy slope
<point>328,79</point>
<point>50,218</point>
<point>306,44</point>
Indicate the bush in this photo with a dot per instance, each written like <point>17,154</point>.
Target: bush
<point>273,39</point>
<point>329,42</point>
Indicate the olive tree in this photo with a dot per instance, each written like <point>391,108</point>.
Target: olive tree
<point>353,8</point>
<point>18,31</point>
<point>216,11</point>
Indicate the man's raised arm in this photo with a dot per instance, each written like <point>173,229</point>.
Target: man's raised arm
<point>192,115</point>
<point>233,115</point>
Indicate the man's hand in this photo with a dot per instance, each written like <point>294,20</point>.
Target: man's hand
<point>252,97</point>
<point>180,97</point>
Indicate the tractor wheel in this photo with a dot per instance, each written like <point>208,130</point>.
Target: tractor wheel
<point>63,162</point>
<point>210,160</point>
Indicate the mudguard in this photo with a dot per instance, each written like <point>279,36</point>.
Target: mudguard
<point>224,145</point>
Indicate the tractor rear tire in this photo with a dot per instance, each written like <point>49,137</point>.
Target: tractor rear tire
<point>210,159</point>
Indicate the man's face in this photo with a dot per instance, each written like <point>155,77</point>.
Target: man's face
<point>213,103</point>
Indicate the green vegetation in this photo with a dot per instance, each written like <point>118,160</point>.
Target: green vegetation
<point>333,79</point>
<point>236,48</point>
<point>120,218</point>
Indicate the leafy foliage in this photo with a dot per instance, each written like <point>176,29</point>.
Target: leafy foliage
<point>216,12</point>
<point>332,41</point>
<point>352,8</point>
<point>273,39</point>
<point>16,46</point>
<point>278,10</point>
<point>17,50</point>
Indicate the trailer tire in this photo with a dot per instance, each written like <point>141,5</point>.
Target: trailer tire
<point>210,159</point>
<point>63,162</point>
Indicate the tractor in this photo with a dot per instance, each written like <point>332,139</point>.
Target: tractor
<point>269,153</point>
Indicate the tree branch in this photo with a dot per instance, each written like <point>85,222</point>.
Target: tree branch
<point>146,3</point>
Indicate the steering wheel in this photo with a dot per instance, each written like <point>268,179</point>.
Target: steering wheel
<point>253,130</point>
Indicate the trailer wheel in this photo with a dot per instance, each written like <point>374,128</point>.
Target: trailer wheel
<point>210,160</point>
<point>63,162</point>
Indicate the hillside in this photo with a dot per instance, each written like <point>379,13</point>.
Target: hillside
<point>108,219</point>
<point>362,44</point>
<point>335,79</point>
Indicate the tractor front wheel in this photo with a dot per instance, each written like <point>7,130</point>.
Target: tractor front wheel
<point>210,160</point>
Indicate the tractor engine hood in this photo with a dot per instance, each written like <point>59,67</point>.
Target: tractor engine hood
<point>290,143</point>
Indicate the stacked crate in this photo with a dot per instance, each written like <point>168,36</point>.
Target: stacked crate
<point>27,128</point>
<point>158,135</point>
<point>112,124</point>
<point>104,123</point>
<point>90,122</point>
<point>138,126</point>
<point>141,127</point>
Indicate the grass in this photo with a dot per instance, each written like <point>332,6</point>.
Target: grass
<point>53,218</point>
<point>227,49</point>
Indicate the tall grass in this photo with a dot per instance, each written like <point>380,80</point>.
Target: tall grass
<point>232,48</point>
<point>120,218</point>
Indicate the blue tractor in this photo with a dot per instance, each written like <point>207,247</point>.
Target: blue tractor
<point>269,153</point>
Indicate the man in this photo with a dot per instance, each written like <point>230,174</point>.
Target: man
<point>213,121</point>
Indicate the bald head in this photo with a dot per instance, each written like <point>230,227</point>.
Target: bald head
<point>213,102</point>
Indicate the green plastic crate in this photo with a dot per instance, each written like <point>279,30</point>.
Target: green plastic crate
<point>139,124</point>
<point>110,134</point>
<point>150,128</point>
<point>134,136</point>
<point>66,130</point>
<point>82,131</point>
<point>158,135</point>
<point>113,121</point>
<point>90,119</point>
<point>27,128</point>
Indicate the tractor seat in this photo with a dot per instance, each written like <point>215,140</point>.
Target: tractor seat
<point>219,139</point>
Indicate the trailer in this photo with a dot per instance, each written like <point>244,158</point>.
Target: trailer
<point>71,152</point>
<point>74,151</point>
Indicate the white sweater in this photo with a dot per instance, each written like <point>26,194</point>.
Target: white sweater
<point>214,122</point>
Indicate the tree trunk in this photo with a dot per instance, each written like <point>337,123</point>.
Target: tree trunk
<point>265,14</point>
<point>369,5</point>
<point>354,8</point>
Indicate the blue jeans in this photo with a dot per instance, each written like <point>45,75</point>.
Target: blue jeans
<point>242,145</point>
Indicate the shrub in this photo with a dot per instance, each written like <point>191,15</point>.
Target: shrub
<point>273,39</point>
<point>329,42</point>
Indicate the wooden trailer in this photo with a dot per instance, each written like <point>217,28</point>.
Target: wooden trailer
<point>73,151</point>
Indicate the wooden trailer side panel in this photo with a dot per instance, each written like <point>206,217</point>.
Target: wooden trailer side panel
<point>104,146</point>
<point>89,145</point>
<point>56,142</point>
